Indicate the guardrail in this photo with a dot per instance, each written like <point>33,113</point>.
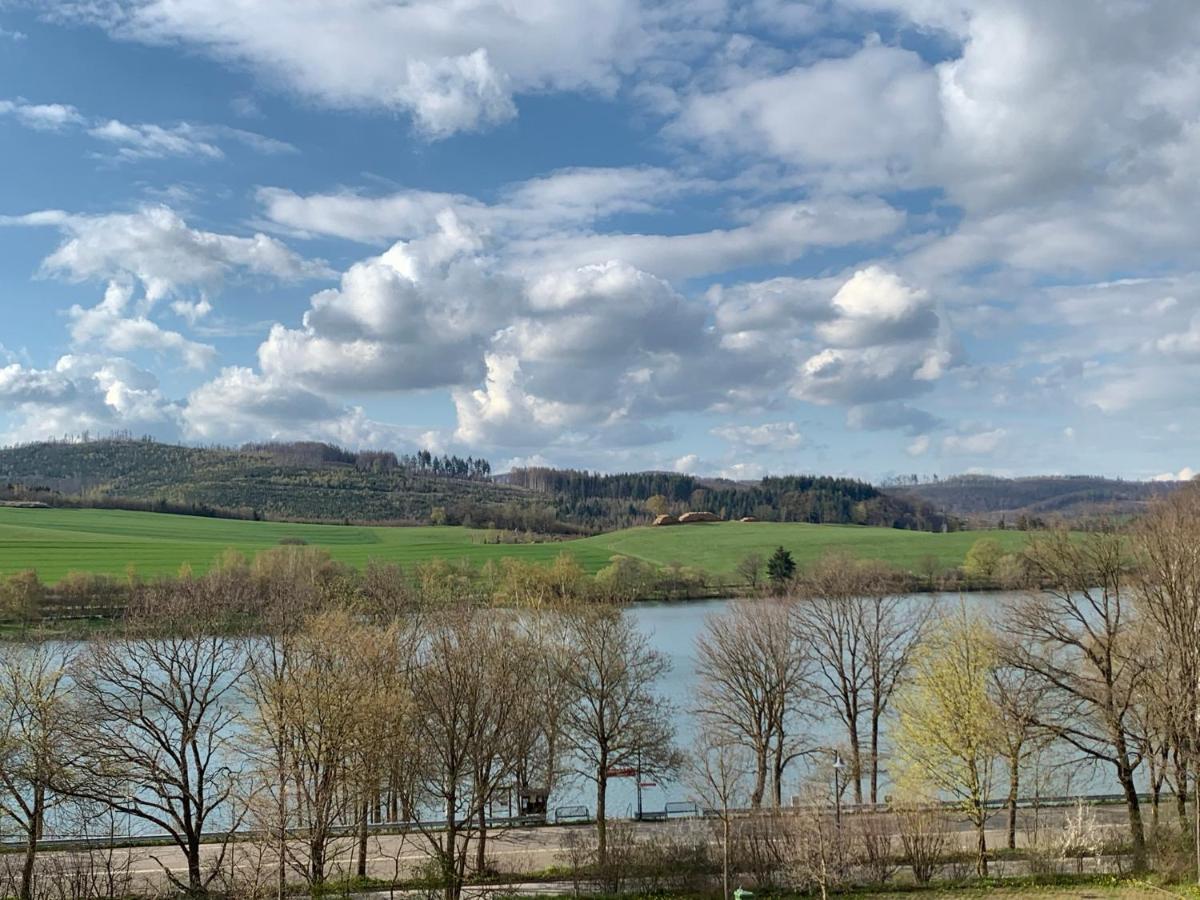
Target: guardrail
<point>577,814</point>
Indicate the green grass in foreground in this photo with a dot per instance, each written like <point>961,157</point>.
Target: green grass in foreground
<point>58,541</point>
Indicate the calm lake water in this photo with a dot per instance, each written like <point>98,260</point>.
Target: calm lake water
<point>673,629</point>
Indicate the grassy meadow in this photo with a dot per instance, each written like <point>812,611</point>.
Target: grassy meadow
<point>58,541</point>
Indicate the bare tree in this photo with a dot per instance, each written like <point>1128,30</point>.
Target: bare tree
<point>819,841</point>
<point>752,682</point>
<point>541,746</point>
<point>155,728</point>
<point>268,671</point>
<point>923,834</point>
<point>324,697</point>
<point>35,755</point>
<point>1161,729</point>
<point>616,719</point>
<point>1019,702</point>
<point>750,569</point>
<point>892,625</point>
<point>860,636</point>
<point>718,771</point>
<point>1077,638</point>
<point>468,693</point>
<point>1167,548</point>
<point>384,741</point>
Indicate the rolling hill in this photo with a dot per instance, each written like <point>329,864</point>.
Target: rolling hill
<point>314,482</point>
<point>986,499</point>
<point>307,482</point>
<point>58,541</point>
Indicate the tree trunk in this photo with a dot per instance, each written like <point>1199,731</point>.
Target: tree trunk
<point>981,859</point>
<point>1181,793</point>
<point>481,844</point>
<point>777,773</point>
<point>363,816</point>
<point>601,826</point>
<point>450,864</point>
<point>725,853</point>
<point>31,846</point>
<point>760,776</point>
<point>316,861</point>
<point>281,809</point>
<point>195,880</point>
<point>1014,786</point>
<point>856,769</point>
<point>875,715</point>
<point>1137,833</point>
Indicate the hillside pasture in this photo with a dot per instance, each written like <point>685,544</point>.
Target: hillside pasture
<point>58,541</point>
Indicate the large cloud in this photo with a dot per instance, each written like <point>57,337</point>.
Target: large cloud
<point>451,67</point>
<point>602,349</point>
<point>419,315</point>
<point>111,324</point>
<point>863,120</point>
<point>886,342</point>
<point>84,392</point>
<point>156,248</point>
<point>240,403</point>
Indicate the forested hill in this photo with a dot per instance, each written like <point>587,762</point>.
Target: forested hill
<point>625,498</point>
<point>309,481</point>
<point>1038,500</point>
<point>304,481</point>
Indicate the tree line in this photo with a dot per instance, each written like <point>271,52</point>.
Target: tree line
<point>318,453</point>
<point>633,497</point>
<point>338,711</point>
<point>1095,668</point>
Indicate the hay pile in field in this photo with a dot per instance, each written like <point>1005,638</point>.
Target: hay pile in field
<point>689,517</point>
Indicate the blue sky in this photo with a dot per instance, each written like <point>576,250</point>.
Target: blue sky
<point>864,237</point>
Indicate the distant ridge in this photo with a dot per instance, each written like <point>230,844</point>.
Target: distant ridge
<point>985,498</point>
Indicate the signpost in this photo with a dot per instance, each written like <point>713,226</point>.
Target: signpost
<point>634,772</point>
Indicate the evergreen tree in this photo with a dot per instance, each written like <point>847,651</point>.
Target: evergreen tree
<point>781,567</point>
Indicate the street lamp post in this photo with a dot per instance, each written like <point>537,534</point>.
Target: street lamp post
<point>638,780</point>
<point>838,766</point>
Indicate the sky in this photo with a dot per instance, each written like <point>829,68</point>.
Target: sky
<point>858,237</point>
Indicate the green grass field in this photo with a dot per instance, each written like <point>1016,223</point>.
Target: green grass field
<point>58,541</point>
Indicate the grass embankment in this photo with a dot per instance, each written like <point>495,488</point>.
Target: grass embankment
<point>58,541</point>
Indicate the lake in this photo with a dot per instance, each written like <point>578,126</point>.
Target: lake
<point>673,629</point>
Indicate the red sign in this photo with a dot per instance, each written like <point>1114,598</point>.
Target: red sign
<point>622,772</point>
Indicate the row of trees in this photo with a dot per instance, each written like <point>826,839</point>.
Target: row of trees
<point>317,454</point>
<point>333,717</point>
<point>1101,664</point>
<point>27,602</point>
